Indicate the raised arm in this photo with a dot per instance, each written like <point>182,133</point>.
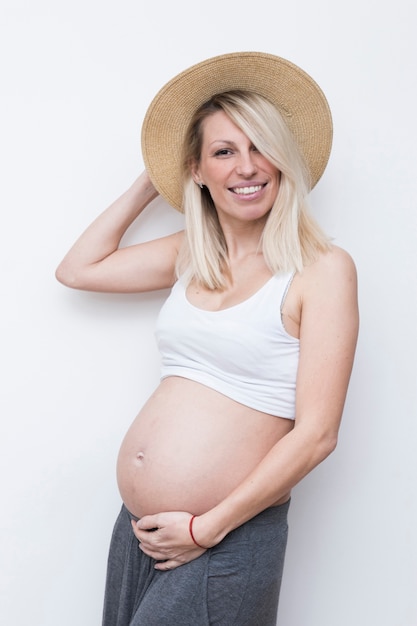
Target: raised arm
<point>96,263</point>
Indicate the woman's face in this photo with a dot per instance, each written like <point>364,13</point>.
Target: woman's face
<point>242,183</point>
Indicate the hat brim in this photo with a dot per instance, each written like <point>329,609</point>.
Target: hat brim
<point>295,94</point>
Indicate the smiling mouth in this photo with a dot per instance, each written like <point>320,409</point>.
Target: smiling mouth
<point>245,191</point>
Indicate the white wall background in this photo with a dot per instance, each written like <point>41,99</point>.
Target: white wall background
<point>75,83</point>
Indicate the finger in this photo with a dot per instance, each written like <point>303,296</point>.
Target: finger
<point>150,540</point>
<point>153,553</point>
<point>148,522</point>
<point>134,527</point>
<point>143,535</point>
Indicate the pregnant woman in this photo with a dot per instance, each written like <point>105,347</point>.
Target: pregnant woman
<point>257,341</point>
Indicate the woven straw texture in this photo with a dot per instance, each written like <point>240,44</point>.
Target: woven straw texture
<point>296,95</point>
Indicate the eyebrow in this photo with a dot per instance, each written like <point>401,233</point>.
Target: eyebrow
<point>223,141</point>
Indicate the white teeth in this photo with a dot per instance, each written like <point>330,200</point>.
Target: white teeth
<point>247,190</point>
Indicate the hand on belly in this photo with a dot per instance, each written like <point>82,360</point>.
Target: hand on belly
<point>165,537</point>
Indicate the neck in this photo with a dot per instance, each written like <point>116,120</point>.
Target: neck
<point>244,241</point>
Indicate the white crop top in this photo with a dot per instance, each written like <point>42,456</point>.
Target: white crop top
<point>243,352</point>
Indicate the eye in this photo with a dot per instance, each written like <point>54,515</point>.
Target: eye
<point>223,152</point>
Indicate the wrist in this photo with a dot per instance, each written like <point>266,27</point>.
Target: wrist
<point>206,530</point>
<point>191,531</point>
<point>144,187</point>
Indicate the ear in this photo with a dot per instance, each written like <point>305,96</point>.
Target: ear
<point>195,172</point>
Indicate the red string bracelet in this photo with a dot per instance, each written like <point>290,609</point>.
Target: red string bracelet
<point>190,528</point>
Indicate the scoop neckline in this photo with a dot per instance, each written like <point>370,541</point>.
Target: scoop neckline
<point>233,306</point>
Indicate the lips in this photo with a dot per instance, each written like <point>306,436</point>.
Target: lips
<point>245,191</point>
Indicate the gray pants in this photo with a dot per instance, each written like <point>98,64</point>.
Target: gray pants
<point>235,583</point>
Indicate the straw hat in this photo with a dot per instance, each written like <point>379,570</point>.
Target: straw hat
<point>295,94</point>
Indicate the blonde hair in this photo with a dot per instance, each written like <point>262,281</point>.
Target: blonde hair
<point>291,237</point>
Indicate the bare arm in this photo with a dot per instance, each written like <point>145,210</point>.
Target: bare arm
<point>96,263</point>
<point>328,334</point>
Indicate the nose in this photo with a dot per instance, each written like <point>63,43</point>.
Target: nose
<point>246,165</point>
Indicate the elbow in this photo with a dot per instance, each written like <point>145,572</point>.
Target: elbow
<point>319,444</point>
<point>325,445</point>
<point>330,444</point>
<point>60,275</point>
<point>319,436</point>
<point>66,276</point>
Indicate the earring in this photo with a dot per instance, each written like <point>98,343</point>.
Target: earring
<point>201,185</point>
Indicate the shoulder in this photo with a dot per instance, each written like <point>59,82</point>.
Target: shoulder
<point>323,288</point>
<point>331,269</point>
<point>329,284</point>
<point>328,292</point>
<point>338,259</point>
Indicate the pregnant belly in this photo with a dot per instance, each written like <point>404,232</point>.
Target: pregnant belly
<point>189,447</point>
